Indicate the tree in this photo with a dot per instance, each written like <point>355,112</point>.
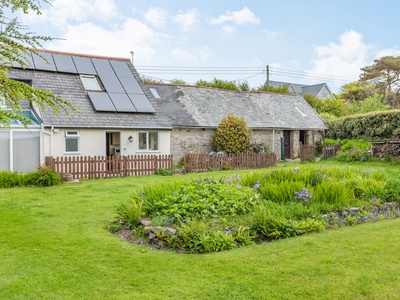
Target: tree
<point>232,135</point>
<point>367,105</point>
<point>17,43</point>
<point>385,74</point>
<point>218,83</point>
<point>357,90</point>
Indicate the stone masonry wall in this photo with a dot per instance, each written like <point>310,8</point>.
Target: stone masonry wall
<point>197,140</point>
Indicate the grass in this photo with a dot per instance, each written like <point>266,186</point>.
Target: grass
<point>53,246</point>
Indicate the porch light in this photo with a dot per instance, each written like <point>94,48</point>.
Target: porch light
<point>130,139</point>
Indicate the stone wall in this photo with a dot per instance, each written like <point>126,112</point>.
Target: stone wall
<point>199,141</point>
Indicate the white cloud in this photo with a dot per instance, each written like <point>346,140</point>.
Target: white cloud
<point>131,35</point>
<point>186,20</point>
<point>61,12</point>
<point>156,16</point>
<point>387,52</point>
<point>241,17</point>
<point>228,29</point>
<point>343,59</point>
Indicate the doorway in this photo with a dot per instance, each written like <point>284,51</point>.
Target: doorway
<point>287,145</point>
<point>113,143</point>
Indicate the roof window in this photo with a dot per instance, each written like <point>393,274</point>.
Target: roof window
<point>90,83</point>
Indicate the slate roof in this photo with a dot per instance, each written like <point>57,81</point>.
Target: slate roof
<point>314,89</point>
<point>69,86</point>
<point>191,106</point>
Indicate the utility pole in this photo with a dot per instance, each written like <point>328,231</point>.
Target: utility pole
<point>267,78</point>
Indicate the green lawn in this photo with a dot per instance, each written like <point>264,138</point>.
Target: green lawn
<point>53,246</point>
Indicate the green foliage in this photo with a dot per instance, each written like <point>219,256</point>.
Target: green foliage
<point>164,172</point>
<point>333,192</point>
<point>14,39</point>
<point>283,89</point>
<point>370,126</point>
<point>218,83</point>
<point>178,81</point>
<point>392,190</point>
<point>328,107</point>
<point>130,212</point>
<point>44,176</point>
<point>357,91</point>
<point>367,105</point>
<point>151,80</point>
<point>114,227</point>
<point>232,135</point>
<point>205,197</point>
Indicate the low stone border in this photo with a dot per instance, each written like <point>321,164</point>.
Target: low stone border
<point>353,216</point>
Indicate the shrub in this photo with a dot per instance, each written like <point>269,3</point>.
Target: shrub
<point>333,192</point>
<point>47,177</point>
<point>232,135</point>
<point>129,213</point>
<point>10,179</point>
<point>205,197</point>
<point>164,172</point>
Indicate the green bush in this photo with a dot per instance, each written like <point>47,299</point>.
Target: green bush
<point>44,176</point>
<point>392,190</point>
<point>205,197</point>
<point>129,213</point>
<point>232,135</point>
<point>381,125</point>
<point>333,192</point>
<point>47,177</point>
<point>164,172</point>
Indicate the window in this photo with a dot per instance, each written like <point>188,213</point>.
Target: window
<point>148,141</point>
<point>90,83</point>
<point>71,141</point>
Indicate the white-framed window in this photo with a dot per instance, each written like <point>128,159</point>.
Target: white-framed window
<point>71,141</point>
<point>90,83</point>
<point>148,140</point>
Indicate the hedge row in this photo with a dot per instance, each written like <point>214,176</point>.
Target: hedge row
<point>375,125</point>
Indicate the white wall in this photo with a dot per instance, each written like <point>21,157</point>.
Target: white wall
<point>92,142</point>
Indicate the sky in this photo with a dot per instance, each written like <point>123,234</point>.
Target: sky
<point>302,41</point>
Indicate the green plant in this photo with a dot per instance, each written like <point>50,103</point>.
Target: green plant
<point>164,172</point>
<point>46,176</point>
<point>232,135</point>
<point>130,212</point>
<point>114,227</point>
<point>243,236</point>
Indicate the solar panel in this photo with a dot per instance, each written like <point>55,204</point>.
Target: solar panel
<point>64,63</point>
<point>46,63</point>
<point>27,58</point>
<point>84,65</point>
<point>103,66</point>
<point>122,102</point>
<point>126,77</point>
<point>101,101</point>
<point>141,103</point>
<point>111,83</point>
<point>121,68</point>
<point>130,85</point>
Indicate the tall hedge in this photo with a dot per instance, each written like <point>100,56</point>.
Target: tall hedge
<point>232,135</point>
<point>375,125</point>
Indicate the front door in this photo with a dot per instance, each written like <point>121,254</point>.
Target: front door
<point>286,136</point>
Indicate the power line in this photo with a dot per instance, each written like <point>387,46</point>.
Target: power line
<point>251,71</point>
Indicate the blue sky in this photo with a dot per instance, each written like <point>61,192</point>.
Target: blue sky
<point>303,41</point>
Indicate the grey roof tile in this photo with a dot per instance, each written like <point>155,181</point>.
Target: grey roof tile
<point>190,106</point>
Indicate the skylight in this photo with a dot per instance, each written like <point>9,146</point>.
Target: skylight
<point>90,83</point>
<point>301,112</point>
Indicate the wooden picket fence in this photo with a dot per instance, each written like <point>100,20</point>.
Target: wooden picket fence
<point>331,151</point>
<point>307,152</point>
<point>206,162</point>
<point>108,166</point>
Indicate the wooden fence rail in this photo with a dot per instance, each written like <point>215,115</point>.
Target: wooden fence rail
<point>307,152</point>
<point>108,166</point>
<point>206,162</point>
